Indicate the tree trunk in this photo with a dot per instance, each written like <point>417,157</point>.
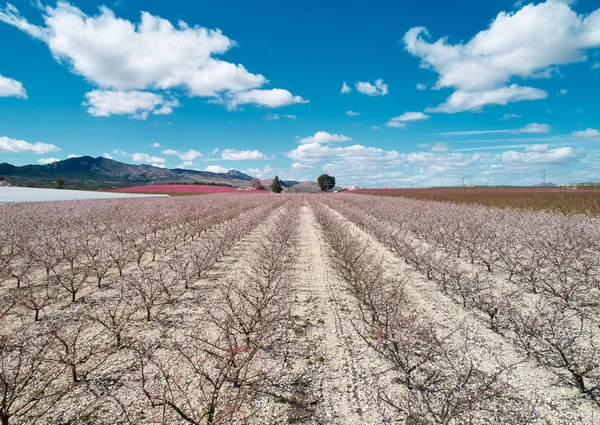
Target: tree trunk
<point>74,373</point>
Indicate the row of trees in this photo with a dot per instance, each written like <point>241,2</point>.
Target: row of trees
<point>535,276</point>
<point>83,288</point>
<point>440,382</point>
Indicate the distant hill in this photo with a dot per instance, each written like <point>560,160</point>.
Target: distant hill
<point>303,187</point>
<point>88,172</point>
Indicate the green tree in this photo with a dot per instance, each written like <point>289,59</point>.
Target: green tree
<point>276,185</point>
<point>326,182</point>
<point>1,178</point>
<point>60,182</point>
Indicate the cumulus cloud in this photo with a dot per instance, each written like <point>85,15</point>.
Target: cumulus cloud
<point>352,113</point>
<point>273,98</point>
<point>377,89</point>
<point>216,169</point>
<point>345,88</point>
<point>233,155</point>
<point>155,145</point>
<point>507,117</point>
<point>324,137</point>
<point>146,159</point>
<point>11,88</point>
<point>45,161</point>
<point>189,155</point>
<point>421,86</point>
<point>301,166</point>
<point>588,134</point>
<point>20,146</point>
<point>136,104</point>
<point>314,152</point>
<point>119,55</point>
<point>528,43</point>
<point>563,91</point>
<point>534,128</point>
<point>553,156</point>
<point>72,155</point>
<point>107,155</point>
<point>400,121</point>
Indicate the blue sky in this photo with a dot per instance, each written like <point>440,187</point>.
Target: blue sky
<point>400,93</point>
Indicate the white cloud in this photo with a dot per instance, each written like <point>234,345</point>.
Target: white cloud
<point>120,55</point>
<point>261,173</point>
<point>301,166</point>
<point>345,88</point>
<point>596,65</point>
<point>379,89</point>
<point>554,156</point>
<point>146,159</point>
<point>107,155</point>
<point>189,155</point>
<point>45,161</point>
<point>324,137</point>
<point>137,104</point>
<point>273,98</point>
<point>537,148</point>
<point>400,121</point>
<point>439,147</point>
<point>588,134</point>
<point>533,128</point>
<point>11,88</point>
<point>460,100</point>
<point>563,91</point>
<point>72,155</point>
<point>528,43</point>
<point>507,117</point>
<point>421,86</point>
<point>186,164</point>
<point>233,155</point>
<point>376,127</point>
<point>352,113</point>
<point>20,146</point>
<point>315,152</point>
<point>215,150</point>
<point>159,165</point>
<point>279,116</point>
<point>155,145</point>
<point>216,169</point>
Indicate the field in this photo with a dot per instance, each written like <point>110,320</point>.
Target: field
<point>181,189</point>
<point>563,201</point>
<point>297,309</point>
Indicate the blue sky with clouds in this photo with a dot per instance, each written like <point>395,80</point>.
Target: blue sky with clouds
<point>400,93</point>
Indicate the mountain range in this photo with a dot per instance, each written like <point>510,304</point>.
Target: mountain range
<point>86,172</point>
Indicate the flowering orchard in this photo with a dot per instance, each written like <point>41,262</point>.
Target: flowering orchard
<point>558,200</point>
<point>182,189</point>
<point>247,309</point>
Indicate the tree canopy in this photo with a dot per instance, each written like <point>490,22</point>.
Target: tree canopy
<point>326,182</point>
<point>276,185</point>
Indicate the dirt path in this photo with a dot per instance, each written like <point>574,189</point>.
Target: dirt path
<point>335,376</point>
